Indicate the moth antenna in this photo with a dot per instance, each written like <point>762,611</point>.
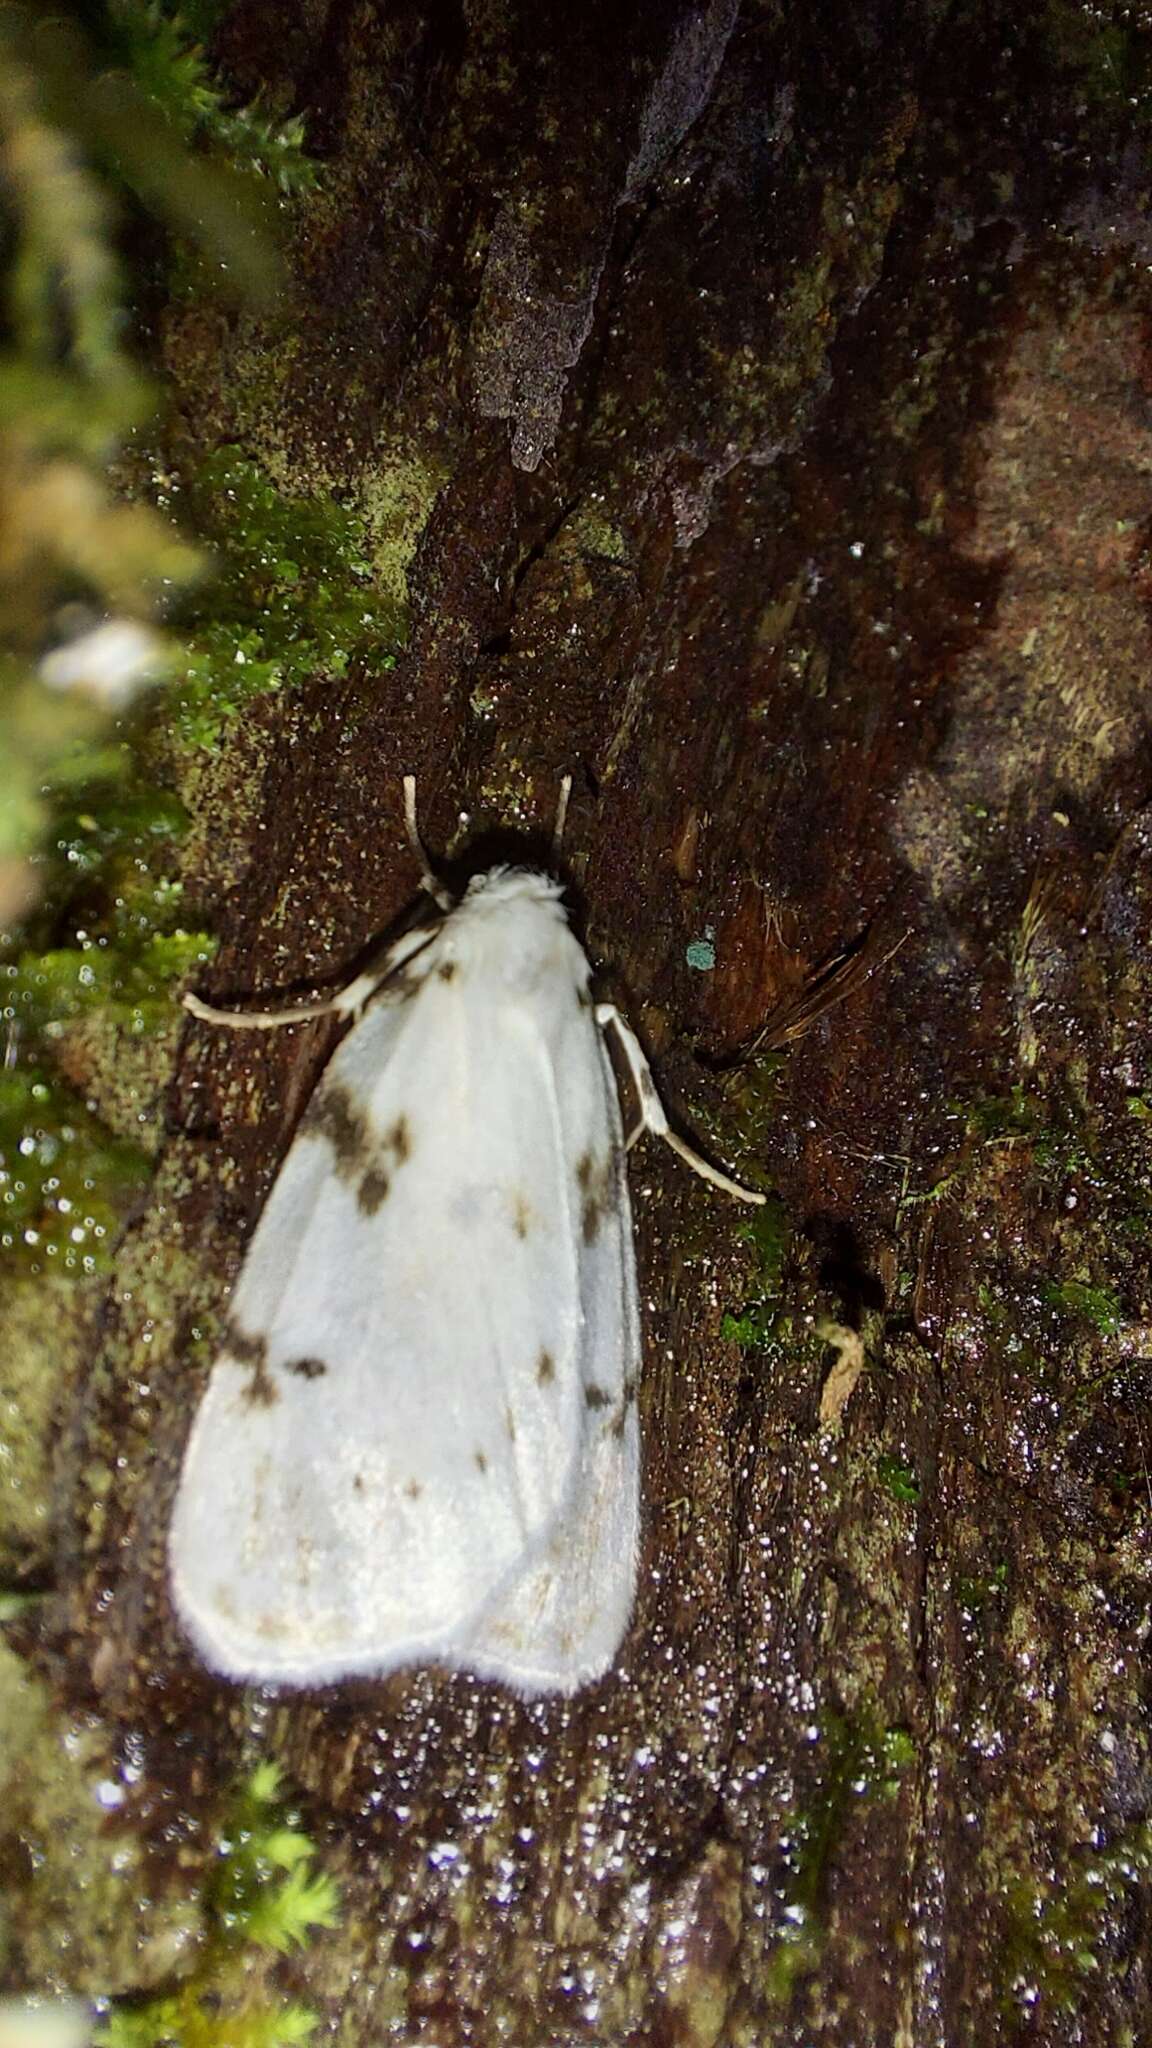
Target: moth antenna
<point>428,882</point>
<point>561,815</point>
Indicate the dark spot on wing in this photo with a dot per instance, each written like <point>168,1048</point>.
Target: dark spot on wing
<point>308,1368</point>
<point>394,1148</point>
<point>244,1349</point>
<point>334,1114</point>
<point>626,1402</point>
<point>357,1482</point>
<point>510,1425</point>
<point>447,970</point>
<point>360,1157</point>
<point>597,1184</point>
<point>595,1397</point>
<point>413,1490</point>
<point>545,1369</point>
<point>481,1461</point>
<point>372,1192</point>
<point>251,1353</point>
<point>521,1215</point>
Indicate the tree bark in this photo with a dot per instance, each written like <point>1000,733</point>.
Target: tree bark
<point>750,406</point>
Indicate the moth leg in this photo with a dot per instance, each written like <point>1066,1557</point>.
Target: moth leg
<point>428,882</point>
<point>350,1000</point>
<point>652,1113</point>
<point>262,1020</point>
<point>347,1001</point>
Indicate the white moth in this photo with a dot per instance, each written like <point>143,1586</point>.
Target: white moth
<point>419,1440</point>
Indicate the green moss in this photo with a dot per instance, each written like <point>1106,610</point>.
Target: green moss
<point>264,1893</point>
<point>768,1235</point>
<point>1062,1930</point>
<point>294,597</point>
<point>1051,1134</point>
<point>1018,1118</point>
<point>127,975</point>
<point>752,1329</point>
<point>94,102</point>
<point>973,1592</point>
<point>90,977</point>
<point>1078,1298</point>
<point>64,1181</point>
<point>899,1480</point>
<point>160,50</point>
<point>857,1759</point>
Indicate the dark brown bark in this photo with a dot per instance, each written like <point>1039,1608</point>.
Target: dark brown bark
<point>760,397</point>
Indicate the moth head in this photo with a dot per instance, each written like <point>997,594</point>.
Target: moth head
<point>501,890</point>
<point>511,922</point>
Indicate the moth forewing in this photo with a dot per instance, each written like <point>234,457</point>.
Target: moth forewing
<point>396,1457</point>
<point>419,1440</point>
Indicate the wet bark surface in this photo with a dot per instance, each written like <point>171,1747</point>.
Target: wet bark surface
<point>755,402</point>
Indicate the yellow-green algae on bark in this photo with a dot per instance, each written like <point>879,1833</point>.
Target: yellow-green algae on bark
<point>75,1906</point>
